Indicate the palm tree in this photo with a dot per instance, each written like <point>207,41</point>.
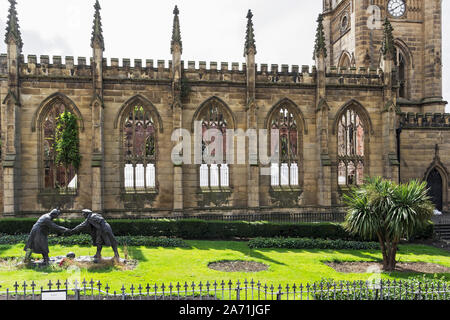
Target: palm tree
<point>388,211</point>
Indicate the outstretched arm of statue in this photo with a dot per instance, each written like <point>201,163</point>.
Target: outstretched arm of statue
<point>58,229</point>
<point>79,227</point>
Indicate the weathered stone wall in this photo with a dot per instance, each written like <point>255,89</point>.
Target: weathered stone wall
<point>417,34</point>
<point>342,32</point>
<point>418,154</point>
<point>116,94</point>
<point>121,83</point>
<point>33,93</point>
<point>175,93</point>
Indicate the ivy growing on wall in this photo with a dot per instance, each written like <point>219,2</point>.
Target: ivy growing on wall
<point>67,141</point>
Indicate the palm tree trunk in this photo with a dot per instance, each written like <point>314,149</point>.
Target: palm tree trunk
<point>390,262</point>
<point>384,250</point>
<point>392,256</point>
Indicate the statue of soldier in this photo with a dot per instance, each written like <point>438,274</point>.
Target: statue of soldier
<point>38,239</point>
<point>100,231</point>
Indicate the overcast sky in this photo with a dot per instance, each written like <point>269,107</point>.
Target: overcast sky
<point>212,30</point>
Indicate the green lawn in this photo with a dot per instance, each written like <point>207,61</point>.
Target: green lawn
<point>165,265</point>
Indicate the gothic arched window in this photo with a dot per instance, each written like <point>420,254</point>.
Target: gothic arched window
<point>286,171</point>
<point>344,61</point>
<point>55,177</point>
<point>214,170</point>
<point>402,62</point>
<point>351,148</point>
<point>138,149</point>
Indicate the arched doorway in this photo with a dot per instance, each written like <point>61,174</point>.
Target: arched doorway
<point>435,184</point>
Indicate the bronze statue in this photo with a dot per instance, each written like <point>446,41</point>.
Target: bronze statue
<point>38,239</point>
<point>100,231</point>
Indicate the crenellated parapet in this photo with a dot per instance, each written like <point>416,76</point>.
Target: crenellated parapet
<point>139,70</point>
<point>48,67</point>
<point>285,74</point>
<point>215,72</point>
<point>354,76</point>
<point>413,120</point>
<point>44,67</point>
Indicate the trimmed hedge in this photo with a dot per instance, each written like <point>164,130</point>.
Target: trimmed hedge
<point>305,243</point>
<point>195,229</point>
<point>424,233</point>
<point>85,240</point>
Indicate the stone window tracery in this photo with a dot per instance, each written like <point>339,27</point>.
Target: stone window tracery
<point>214,173</point>
<point>351,152</point>
<point>139,149</point>
<point>401,65</point>
<point>286,171</point>
<point>344,61</point>
<point>55,177</point>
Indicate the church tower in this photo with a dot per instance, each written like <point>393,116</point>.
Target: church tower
<point>354,33</point>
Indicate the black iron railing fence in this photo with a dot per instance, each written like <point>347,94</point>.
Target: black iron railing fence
<point>305,217</point>
<point>231,291</point>
<point>442,219</point>
<point>311,217</point>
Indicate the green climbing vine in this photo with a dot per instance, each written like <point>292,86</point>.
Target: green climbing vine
<point>67,141</point>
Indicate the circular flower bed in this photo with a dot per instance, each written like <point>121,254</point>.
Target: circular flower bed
<point>64,263</point>
<point>238,266</point>
<point>369,267</point>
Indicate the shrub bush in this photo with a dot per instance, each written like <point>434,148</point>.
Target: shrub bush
<point>85,240</point>
<point>414,288</point>
<point>424,233</point>
<point>195,229</point>
<point>305,243</point>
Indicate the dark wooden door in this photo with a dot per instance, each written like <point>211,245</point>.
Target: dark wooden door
<point>434,182</point>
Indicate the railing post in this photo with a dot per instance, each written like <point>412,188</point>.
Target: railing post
<point>24,286</point>
<point>92,289</point>
<point>33,285</point>
<point>77,294</point>
<point>16,286</point>
<point>279,294</point>
<point>76,290</point>
<point>123,293</point>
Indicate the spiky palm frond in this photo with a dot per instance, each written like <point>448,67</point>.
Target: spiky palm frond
<point>383,207</point>
<point>411,209</point>
<point>361,219</point>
